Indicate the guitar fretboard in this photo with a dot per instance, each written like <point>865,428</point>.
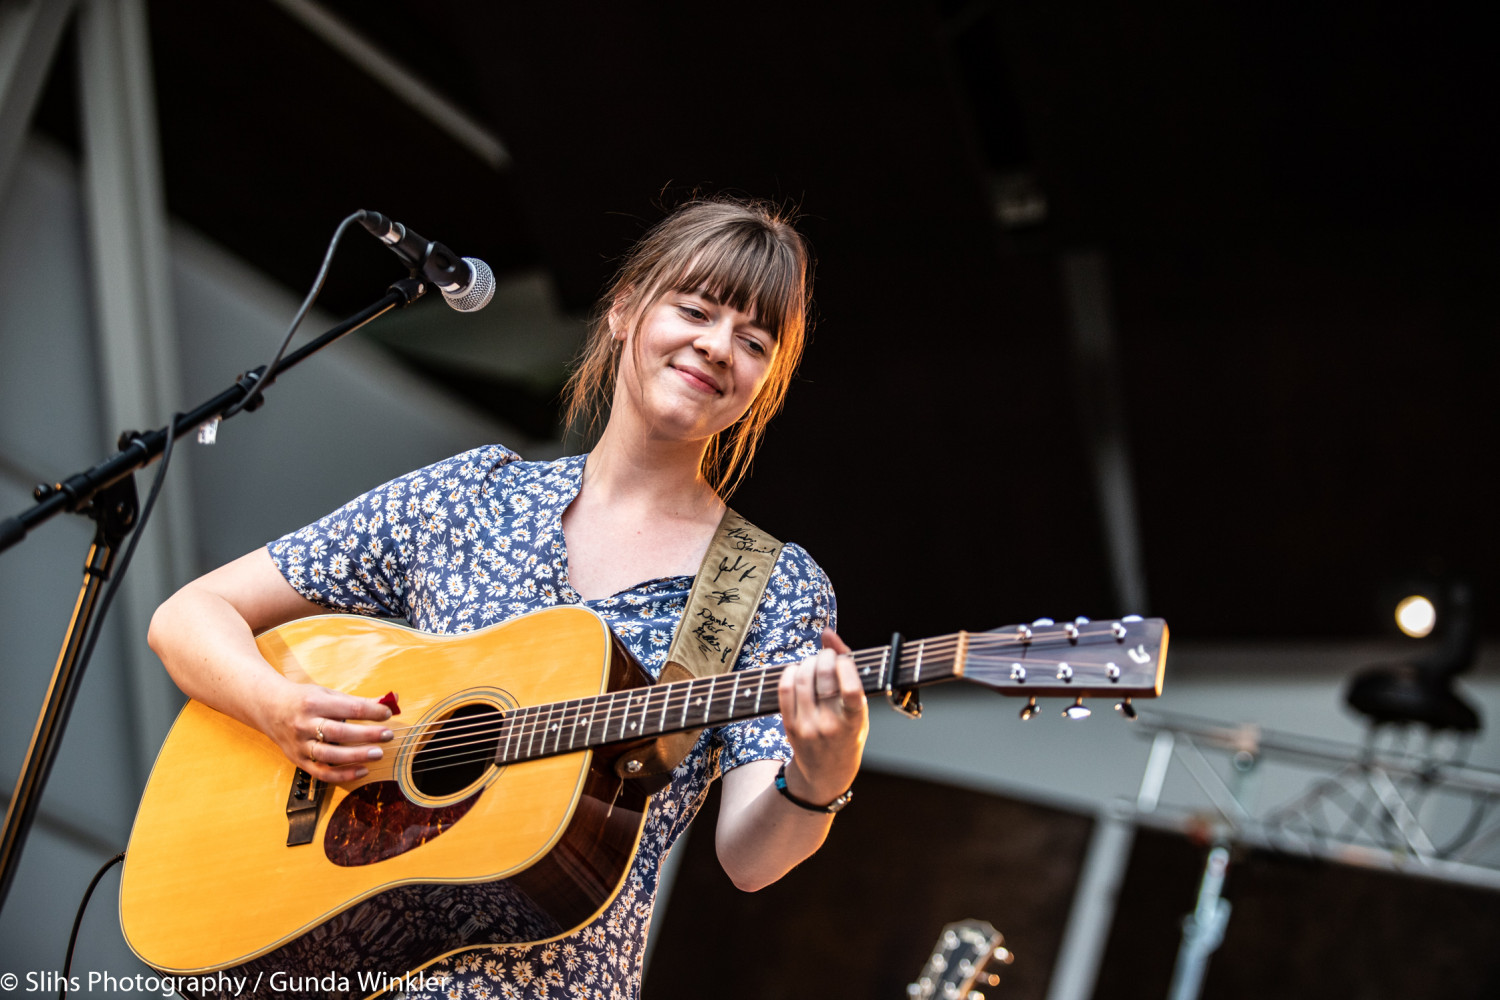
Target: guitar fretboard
<point>585,723</point>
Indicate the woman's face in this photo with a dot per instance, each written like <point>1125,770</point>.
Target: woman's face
<point>693,365</point>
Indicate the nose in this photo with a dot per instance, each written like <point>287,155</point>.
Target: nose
<point>715,342</point>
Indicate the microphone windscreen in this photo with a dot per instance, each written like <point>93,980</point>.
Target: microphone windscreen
<point>478,293</point>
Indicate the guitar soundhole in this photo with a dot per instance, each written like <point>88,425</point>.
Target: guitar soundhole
<point>458,753</point>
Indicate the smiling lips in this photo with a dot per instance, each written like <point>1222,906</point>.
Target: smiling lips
<point>698,379</point>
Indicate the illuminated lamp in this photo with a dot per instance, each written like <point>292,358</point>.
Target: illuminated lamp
<point>1420,690</point>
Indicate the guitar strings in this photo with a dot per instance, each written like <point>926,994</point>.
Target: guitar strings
<point>546,720</point>
<point>915,652</point>
<point>527,724</point>
<point>541,717</point>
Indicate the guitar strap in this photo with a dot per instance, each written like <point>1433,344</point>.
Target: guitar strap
<point>725,594</point>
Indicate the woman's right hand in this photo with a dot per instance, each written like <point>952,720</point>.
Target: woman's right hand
<point>328,734</point>
<point>205,635</point>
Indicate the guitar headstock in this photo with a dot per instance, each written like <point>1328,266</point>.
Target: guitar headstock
<point>962,953</point>
<point>1121,658</point>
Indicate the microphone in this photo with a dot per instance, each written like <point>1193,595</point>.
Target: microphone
<point>467,283</point>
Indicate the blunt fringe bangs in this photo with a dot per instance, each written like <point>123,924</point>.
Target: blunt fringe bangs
<point>745,254</point>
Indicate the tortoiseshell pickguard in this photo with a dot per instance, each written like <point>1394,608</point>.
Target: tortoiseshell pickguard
<point>376,821</point>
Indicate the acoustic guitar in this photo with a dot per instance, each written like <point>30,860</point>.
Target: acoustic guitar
<point>963,958</point>
<point>504,811</point>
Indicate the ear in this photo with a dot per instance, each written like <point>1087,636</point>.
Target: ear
<point>619,314</point>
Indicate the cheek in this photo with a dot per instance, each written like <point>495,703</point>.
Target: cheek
<point>753,390</point>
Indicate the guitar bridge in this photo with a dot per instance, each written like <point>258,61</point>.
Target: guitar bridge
<point>302,804</point>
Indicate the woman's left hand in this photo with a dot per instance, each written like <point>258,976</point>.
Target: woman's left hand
<point>826,719</point>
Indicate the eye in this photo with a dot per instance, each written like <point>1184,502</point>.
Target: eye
<point>691,311</point>
<point>755,347</point>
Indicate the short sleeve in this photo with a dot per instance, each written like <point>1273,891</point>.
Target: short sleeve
<point>788,626</point>
<point>365,556</point>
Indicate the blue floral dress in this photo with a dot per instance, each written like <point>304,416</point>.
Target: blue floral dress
<point>477,539</point>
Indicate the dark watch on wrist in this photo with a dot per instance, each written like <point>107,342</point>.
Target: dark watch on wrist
<point>832,807</point>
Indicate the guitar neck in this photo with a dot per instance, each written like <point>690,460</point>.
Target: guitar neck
<point>1074,659</point>
<point>637,713</point>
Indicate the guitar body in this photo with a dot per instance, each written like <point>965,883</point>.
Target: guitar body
<point>399,870</point>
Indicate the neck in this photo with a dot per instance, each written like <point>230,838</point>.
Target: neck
<point>662,475</point>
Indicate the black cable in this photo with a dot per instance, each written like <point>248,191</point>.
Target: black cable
<point>312,296</point>
<point>62,990</point>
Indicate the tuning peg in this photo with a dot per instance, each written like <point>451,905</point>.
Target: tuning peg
<point>1078,710</point>
<point>1043,621</point>
<point>1028,711</point>
<point>1126,709</point>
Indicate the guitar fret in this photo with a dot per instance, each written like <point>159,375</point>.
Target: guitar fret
<point>549,726</point>
<point>529,731</point>
<point>645,707</point>
<point>708,703</point>
<point>666,701</point>
<point>916,676</point>
<point>560,726</point>
<point>510,733</point>
<point>760,690</point>
<point>539,728</point>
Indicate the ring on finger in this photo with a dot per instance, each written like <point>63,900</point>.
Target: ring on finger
<point>320,732</point>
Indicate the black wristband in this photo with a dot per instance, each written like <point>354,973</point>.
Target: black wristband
<point>830,808</point>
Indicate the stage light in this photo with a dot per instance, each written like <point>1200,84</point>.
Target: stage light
<point>1416,616</point>
<point>1420,688</point>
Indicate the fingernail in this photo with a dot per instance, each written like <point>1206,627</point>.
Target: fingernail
<point>374,753</point>
<point>360,772</point>
<point>386,734</point>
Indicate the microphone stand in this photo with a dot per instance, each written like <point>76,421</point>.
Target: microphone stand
<point>106,493</point>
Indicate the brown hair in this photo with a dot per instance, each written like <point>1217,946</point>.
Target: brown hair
<point>747,255</point>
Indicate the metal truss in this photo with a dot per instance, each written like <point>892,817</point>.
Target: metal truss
<point>1382,805</point>
<point>1387,804</point>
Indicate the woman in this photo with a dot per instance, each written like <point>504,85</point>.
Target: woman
<point>691,353</point>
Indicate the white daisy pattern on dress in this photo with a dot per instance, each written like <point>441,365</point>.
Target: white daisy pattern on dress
<point>476,539</point>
